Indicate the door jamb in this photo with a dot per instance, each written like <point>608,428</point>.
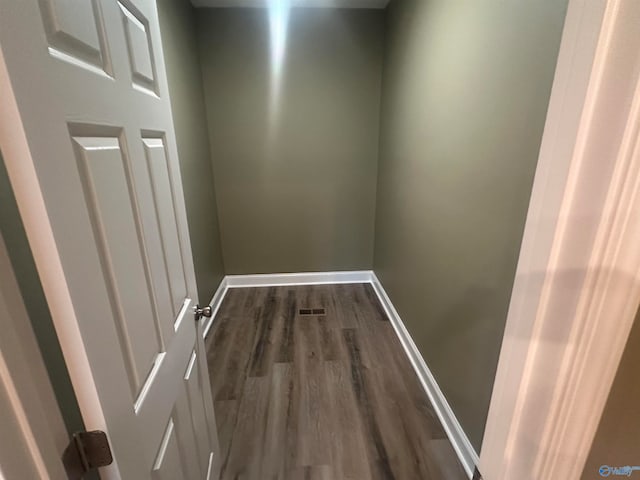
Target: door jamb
<point>577,284</point>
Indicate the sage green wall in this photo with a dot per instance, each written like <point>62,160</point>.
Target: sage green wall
<point>465,92</point>
<point>21,258</point>
<point>616,443</point>
<point>178,30</point>
<point>295,173</point>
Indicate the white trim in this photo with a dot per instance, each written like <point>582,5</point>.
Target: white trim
<point>308,278</point>
<point>611,292</point>
<point>215,303</point>
<point>461,444</point>
<point>577,284</point>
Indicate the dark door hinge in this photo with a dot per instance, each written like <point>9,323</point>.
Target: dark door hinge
<point>86,452</point>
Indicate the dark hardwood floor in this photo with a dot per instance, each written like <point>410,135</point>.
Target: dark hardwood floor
<point>319,397</point>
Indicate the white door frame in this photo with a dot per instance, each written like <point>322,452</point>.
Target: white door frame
<point>577,285</point>
<point>33,436</point>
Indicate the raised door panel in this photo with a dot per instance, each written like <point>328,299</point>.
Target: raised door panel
<point>192,425</point>
<point>168,464</point>
<point>167,311</point>
<point>75,31</point>
<point>139,48</point>
<point>185,430</point>
<point>163,196</point>
<point>109,194</point>
<point>198,414</point>
<point>185,448</point>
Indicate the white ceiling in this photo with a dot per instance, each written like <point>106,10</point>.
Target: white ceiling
<point>295,3</point>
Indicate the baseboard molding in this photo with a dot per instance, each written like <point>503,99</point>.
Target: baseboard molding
<point>461,444</point>
<point>466,453</point>
<point>215,303</point>
<point>279,279</point>
<point>309,278</point>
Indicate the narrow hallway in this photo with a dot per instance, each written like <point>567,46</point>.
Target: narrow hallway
<point>328,396</point>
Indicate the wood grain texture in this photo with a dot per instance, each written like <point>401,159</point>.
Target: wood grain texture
<point>327,397</point>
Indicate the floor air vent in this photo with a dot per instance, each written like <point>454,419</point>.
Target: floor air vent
<point>311,311</point>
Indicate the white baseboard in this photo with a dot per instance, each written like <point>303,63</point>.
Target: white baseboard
<point>310,278</point>
<point>215,303</point>
<point>461,444</point>
<point>279,279</point>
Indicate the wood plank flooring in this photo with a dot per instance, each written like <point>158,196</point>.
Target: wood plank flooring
<point>326,397</point>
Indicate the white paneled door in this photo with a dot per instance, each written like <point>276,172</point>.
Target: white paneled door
<point>90,148</point>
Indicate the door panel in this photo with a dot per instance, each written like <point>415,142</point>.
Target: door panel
<point>186,433</point>
<point>139,48</point>
<point>99,132</point>
<point>163,196</point>
<point>168,464</point>
<point>110,200</point>
<point>75,30</point>
<point>197,412</point>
